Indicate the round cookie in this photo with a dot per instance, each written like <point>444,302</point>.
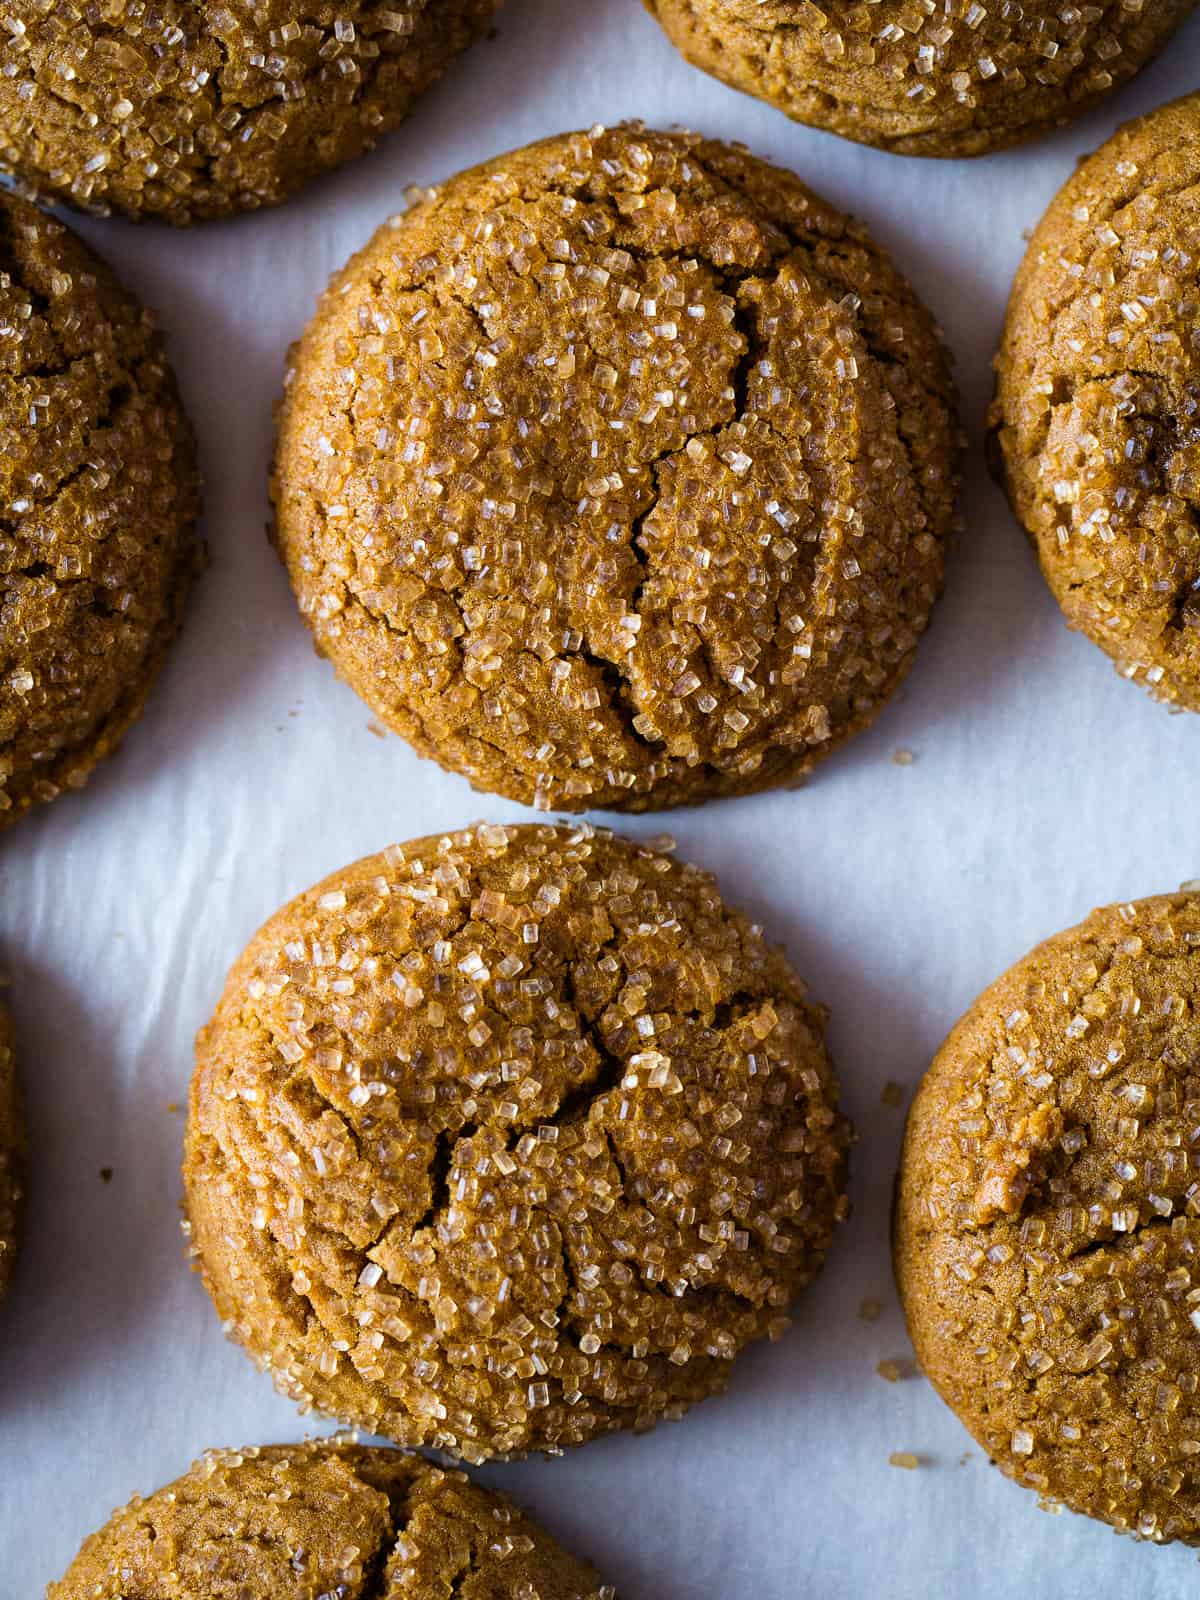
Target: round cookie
<point>945,80</point>
<point>1047,1236</point>
<point>618,473</point>
<point>190,110</point>
<point>1098,391</point>
<point>506,1139</point>
<point>100,494</point>
<point>294,1522</point>
<point>12,1154</point>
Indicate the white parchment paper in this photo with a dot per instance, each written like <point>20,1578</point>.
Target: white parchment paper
<point>1042,786</point>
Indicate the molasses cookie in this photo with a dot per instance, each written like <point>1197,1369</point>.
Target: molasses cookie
<point>100,493</point>
<point>293,1522</point>
<point>618,473</point>
<point>506,1139</point>
<point>12,1154</point>
<point>1048,1219</point>
<point>1098,400</point>
<point>193,109</point>
<point>924,80</point>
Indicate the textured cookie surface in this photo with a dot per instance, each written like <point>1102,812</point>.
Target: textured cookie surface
<point>194,109</point>
<point>954,79</point>
<point>12,1154</point>
<point>510,1138</point>
<point>1097,413</point>
<point>99,493</point>
<point>618,473</point>
<point>1048,1225</point>
<point>319,1520</point>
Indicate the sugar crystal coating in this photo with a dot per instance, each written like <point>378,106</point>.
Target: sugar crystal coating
<point>12,1154</point>
<point>1097,405</point>
<point>192,109</point>
<point>618,473</point>
<point>924,77</point>
<point>509,1138</point>
<point>326,1520</point>
<point>100,495</point>
<point>1048,1219</point>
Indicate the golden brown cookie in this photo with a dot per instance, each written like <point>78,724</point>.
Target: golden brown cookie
<point>618,473</point>
<point>1048,1222</point>
<point>100,494</point>
<point>952,79</point>
<point>193,109</point>
<point>12,1155</point>
<point>509,1138</point>
<point>324,1519</point>
<point>1098,396</point>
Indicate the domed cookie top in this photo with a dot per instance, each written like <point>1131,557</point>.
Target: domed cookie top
<point>323,1519</point>
<point>1048,1221</point>
<point>194,108</point>
<point>1098,397</point>
<point>12,1154</point>
<point>99,492</point>
<point>618,473</point>
<point>510,1138</point>
<point>924,79</point>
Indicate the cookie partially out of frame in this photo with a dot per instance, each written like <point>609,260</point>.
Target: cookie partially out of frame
<point>955,79</point>
<point>1097,408</point>
<point>100,494</point>
<point>323,1519</point>
<point>193,109</point>
<point>1048,1223</point>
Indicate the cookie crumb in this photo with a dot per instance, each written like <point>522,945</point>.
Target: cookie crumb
<point>903,758</point>
<point>893,1093</point>
<point>905,1459</point>
<point>106,1174</point>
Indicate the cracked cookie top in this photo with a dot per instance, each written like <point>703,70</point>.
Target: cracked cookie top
<point>1097,410</point>
<point>618,473</point>
<point>193,109</point>
<point>1048,1219</point>
<point>952,79</point>
<point>12,1154</point>
<point>318,1520</point>
<point>98,502</point>
<point>509,1138</point>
